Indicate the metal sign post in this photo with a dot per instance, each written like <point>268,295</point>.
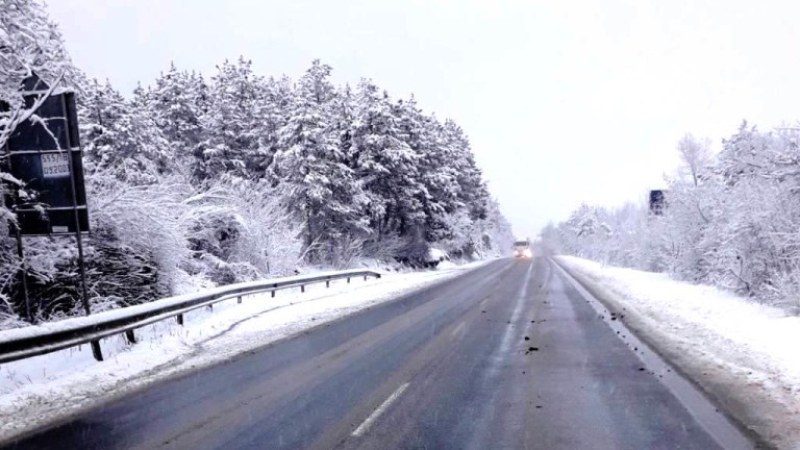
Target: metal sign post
<point>23,269</point>
<point>23,266</point>
<point>78,237</point>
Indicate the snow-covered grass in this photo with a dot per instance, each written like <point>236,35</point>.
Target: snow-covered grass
<point>40,389</point>
<point>743,354</point>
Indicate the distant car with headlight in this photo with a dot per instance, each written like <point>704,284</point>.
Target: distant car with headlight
<point>522,249</point>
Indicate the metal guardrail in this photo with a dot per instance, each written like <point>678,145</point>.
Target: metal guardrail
<point>37,340</point>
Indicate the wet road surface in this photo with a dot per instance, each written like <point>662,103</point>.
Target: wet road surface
<point>509,355</point>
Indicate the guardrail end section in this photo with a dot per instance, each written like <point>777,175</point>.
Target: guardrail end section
<point>96,351</point>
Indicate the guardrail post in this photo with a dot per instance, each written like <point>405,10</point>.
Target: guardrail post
<point>130,337</point>
<point>365,278</point>
<point>239,299</point>
<point>179,318</point>
<point>302,288</point>
<point>328,283</point>
<point>210,307</point>
<point>348,280</point>
<point>273,293</point>
<point>96,351</point>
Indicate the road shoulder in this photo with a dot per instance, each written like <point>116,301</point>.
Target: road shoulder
<point>739,382</point>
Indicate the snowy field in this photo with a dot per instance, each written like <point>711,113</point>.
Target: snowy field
<point>744,354</point>
<point>43,388</point>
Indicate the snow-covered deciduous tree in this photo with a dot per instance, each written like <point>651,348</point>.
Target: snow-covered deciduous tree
<point>29,45</point>
<point>695,155</point>
<point>147,218</point>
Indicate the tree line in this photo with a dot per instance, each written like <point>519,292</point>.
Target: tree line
<point>196,180</point>
<point>730,219</point>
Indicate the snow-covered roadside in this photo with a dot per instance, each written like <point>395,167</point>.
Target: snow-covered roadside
<point>40,389</point>
<point>743,354</point>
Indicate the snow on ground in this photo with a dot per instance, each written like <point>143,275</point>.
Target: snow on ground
<point>446,265</point>
<point>743,354</point>
<point>435,254</point>
<point>40,389</point>
<point>77,322</point>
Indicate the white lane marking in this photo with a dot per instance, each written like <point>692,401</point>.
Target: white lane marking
<point>497,361</point>
<point>504,344</point>
<point>458,329</point>
<point>381,409</point>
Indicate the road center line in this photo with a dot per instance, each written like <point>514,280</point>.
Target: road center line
<point>520,301</point>
<point>458,329</point>
<point>380,410</point>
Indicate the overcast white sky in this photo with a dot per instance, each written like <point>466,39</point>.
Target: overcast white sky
<point>564,101</point>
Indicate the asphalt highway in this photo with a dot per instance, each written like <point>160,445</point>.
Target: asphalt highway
<point>507,356</point>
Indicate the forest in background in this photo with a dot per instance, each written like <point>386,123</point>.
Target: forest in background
<point>729,219</point>
<point>197,181</point>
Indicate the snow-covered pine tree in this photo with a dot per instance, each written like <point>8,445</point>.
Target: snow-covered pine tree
<point>231,124</point>
<point>311,166</point>
<point>389,170</point>
<point>120,137</point>
<point>459,188</point>
<point>498,230</point>
<point>440,197</point>
<point>272,108</point>
<point>472,189</point>
<point>177,101</point>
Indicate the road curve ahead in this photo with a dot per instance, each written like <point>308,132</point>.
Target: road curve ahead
<point>508,355</point>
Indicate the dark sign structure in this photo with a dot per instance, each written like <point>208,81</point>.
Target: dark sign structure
<point>45,155</point>
<point>657,202</point>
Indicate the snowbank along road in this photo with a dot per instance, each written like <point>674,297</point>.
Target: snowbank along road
<point>509,355</point>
